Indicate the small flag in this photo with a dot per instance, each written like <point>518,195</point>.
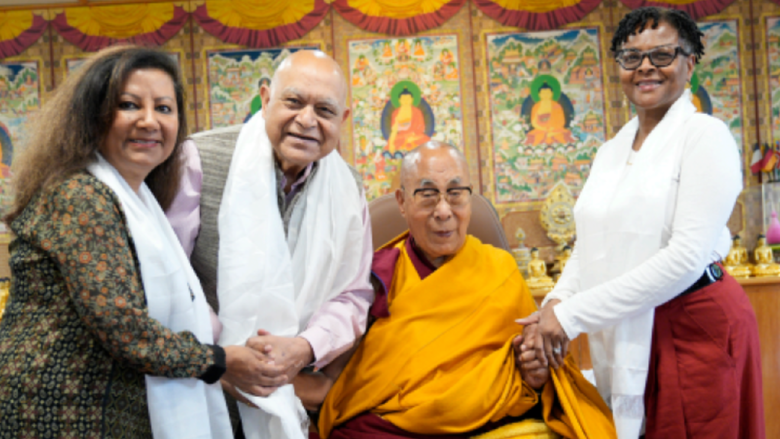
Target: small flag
<point>770,159</point>
<point>755,162</point>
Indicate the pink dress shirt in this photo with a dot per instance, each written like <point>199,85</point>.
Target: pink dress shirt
<point>335,327</point>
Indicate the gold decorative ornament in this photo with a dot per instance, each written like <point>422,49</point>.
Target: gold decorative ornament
<point>557,216</point>
<point>765,264</point>
<point>736,262</point>
<point>560,261</point>
<point>538,280</point>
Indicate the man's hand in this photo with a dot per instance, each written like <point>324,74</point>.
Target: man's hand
<point>291,354</point>
<point>531,369</point>
<point>312,388</point>
<point>251,371</point>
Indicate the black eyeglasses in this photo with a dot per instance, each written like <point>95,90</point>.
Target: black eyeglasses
<point>429,198</point>
<point>631,59</point>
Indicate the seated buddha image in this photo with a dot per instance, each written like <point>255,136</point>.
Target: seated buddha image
<point>446,57</point>
<point>407,120</point>
<point>765,263</point>
<point>736,262</point>
<point>387,51</point>
<point>549,113</point>
<point>419,51</point>
<point>402,50</point>
<point>538,280</point>
<point>699,96</point>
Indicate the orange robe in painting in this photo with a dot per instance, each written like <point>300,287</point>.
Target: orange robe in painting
<point>549,125</point>
<point>411,131</point>
<point>442,362</point>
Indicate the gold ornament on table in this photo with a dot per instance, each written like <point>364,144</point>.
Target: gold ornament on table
<point>557,216</point>
<point>736,262</point>
<point>560,261</point>
<point>765,263</point>
<point>521,253</point>
<point>538,280</point>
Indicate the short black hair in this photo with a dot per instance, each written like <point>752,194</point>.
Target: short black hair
<point>637,20</point>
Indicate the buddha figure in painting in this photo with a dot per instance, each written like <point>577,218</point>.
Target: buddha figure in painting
<point>736,262</point>
<point>537,273</point>
<point>765,264</point>
<point>548,121</point>
<point>408,125</point>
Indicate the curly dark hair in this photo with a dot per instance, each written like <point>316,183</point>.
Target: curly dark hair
<point>70,128</point>
<point>637,20</point>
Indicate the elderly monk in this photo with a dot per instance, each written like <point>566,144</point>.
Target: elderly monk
<point>294,233</point>
<point>440,359</point>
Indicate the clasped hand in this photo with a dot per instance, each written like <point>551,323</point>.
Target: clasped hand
<point>266,363</point>
<point>546,336</point>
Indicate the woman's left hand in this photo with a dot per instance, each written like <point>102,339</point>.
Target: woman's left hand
<point>551,343</point>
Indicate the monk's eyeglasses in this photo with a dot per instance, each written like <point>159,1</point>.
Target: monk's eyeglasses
<point>631,59</point>
<point>429,198</point>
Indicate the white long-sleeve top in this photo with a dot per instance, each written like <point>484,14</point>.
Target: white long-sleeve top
<point>700,201</point>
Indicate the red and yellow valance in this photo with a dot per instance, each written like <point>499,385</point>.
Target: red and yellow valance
<point>92,28</point>
<point>397,17</point>
<point>19,30</point>
<point>695,8</point>
<point>258,23</point>
<point>536,14</point>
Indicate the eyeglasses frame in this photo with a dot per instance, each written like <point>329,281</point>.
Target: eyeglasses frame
<point>441,195</point>
<point>678,50</point>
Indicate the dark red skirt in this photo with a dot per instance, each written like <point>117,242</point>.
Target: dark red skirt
<point>705,367</point>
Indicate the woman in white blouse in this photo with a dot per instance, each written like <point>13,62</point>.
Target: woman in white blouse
<point>673,338</point>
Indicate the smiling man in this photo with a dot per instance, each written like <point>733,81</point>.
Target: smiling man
<point>294,233</point>
<point>440,359</point>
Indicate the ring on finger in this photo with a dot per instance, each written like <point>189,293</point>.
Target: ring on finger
<point>557,350</point>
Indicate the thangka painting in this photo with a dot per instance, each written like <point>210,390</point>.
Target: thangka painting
<point>404,92</point>
<point>716,84</point>
<point>235,78</point>
<point>20,97</point>
<point>547,110</point>
<point>773,53</point>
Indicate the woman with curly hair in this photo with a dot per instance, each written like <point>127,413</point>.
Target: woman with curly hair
<point>673,338</point>
<point>107,332</point>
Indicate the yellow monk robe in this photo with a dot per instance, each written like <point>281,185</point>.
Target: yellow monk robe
<point>443,363</point>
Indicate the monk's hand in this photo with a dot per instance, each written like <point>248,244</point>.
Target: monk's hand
<point>533,372</point>
<point>311,389</point>
<point>530,324</point>
<point>551,342</point>
<point>291,353</point>
<point>251,371</point>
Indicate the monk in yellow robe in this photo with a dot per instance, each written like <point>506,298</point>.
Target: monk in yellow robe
<point>442,358</point>
<point>548,121</point>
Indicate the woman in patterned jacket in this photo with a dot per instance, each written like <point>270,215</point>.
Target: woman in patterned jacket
<point>107,332</point>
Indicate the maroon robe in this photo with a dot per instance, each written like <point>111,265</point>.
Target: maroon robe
<point>705,367</point>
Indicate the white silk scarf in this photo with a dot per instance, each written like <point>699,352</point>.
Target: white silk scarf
<point>179,408</point>
<point>267,281</point>
<point>620,220</point>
